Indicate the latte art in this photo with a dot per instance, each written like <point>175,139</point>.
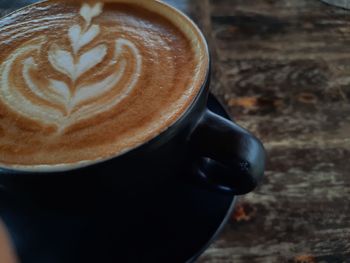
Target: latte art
<point>86,81</point>
<point>73,102</point>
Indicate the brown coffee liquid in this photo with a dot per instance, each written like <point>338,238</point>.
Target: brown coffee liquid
<point>87,81</point>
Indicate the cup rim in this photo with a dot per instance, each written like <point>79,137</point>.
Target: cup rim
<point>66,167</point>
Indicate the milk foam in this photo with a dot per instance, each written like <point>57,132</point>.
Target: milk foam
<point>73,65</point>
<point>92,81</point>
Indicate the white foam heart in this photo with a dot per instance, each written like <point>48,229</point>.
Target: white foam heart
<point>79,39</point>
<point>89,12</point>
<point>78,101</point>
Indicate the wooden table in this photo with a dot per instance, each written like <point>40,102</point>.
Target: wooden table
<point>283,69</point>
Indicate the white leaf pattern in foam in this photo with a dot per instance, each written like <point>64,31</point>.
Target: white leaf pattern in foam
<point>88,97</point>
<point>61,88</point>
<point>95,90</point>
<point>17,101</point>
<point>90,59</point>
<point>95,108</point>
<point>79,39</point>
<point>29,64</point>
<point>53,95</point>
<point>62,61</point>
<point>89,12</point>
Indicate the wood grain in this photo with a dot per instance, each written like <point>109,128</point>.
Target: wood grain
<point>282,67</point>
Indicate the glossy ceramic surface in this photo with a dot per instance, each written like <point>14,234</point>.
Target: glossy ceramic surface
<point>175,223</point>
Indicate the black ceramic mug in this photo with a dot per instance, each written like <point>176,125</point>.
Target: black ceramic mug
<point>201,149</point>
<point>227,157</point>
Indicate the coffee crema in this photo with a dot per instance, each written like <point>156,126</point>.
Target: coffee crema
<point>86,81</point>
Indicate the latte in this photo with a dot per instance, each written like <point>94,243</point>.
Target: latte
<point>85,81</point>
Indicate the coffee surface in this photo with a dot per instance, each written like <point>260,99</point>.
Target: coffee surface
<point>83,81</point>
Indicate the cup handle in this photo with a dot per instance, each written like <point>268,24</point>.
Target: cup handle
<point>233,160</point>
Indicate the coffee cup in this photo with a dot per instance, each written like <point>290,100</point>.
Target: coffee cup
<point>103,124</point>
<point>111,97</point>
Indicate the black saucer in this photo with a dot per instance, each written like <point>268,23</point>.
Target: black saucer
<point>175,225</point>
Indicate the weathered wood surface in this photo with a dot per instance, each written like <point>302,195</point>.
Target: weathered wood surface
<point>283,69</point>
